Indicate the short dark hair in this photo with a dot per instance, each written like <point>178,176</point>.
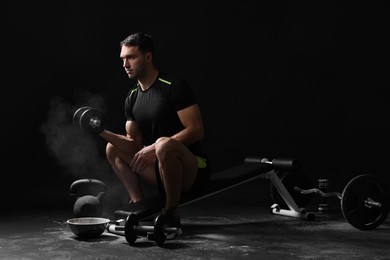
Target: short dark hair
<point>143,41</point>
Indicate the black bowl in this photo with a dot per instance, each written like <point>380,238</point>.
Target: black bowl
<point>87,227</point>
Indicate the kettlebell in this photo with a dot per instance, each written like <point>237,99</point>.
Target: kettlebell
<point>89,194</point>
<point>88,206</point>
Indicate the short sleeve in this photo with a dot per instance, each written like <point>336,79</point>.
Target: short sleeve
<point>182,94</point>
<point>129,103</point>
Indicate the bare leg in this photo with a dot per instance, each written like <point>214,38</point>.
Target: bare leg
<point>120,150</point>
<point>178,169</point>
<point>129,179</point>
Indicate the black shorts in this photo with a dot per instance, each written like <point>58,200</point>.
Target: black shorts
<point>202,178</point>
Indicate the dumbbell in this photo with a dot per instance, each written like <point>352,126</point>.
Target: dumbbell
<point>89,119</point>
<point>364,202</point>
<point>133,230</point>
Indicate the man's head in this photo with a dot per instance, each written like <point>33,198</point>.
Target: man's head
<point>137,54</point>
<point>143,41</point>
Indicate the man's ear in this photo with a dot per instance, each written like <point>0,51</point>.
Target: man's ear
<point>149,56</point>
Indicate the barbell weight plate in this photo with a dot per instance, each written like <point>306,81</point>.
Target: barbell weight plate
<point>291,180</point>
<point>158,233</point>
<point>77,114</point>
<point>353,205</point>
<point>130,233</point>
<point>91,120</point>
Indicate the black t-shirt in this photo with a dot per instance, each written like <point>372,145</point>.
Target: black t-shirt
<point>155,109</point>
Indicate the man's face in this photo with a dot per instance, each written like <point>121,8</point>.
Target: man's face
<point>134,61</point>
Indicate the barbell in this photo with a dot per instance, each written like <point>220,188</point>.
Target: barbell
<point>364,201</point>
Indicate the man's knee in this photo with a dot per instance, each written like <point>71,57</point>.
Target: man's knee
<point>165,147</point>
<point>110,152</point>
<point>162,141</point>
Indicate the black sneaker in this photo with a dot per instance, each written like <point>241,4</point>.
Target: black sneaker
<point>172,221</point>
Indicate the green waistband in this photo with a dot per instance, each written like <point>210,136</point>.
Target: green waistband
<point>202,162</point>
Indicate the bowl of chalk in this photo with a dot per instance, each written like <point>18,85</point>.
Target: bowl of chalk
<point>88,227</point>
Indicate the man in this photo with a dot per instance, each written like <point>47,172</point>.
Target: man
<point>164,129</point>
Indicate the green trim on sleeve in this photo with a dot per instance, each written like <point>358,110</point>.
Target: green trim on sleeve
<point>165,81</point>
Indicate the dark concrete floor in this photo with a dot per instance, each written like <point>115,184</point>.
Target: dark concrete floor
<point>234,224</point>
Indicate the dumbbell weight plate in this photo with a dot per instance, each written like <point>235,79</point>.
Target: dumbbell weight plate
<point>77,115</point>
<point>159,234</point>
<point>91,120</point>
<point>353,204</point>
<point>130,232</point>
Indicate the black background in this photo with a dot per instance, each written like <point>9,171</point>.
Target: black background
<point>297,79</point>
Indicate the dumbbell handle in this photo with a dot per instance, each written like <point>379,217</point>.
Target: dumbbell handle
<point>94,122</point>
<point>318,191</point>
<point>142,228</point>
<point>151,229</point>
<point>369,203</point>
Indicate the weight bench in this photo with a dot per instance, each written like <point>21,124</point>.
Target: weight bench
<point>252,168</point>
